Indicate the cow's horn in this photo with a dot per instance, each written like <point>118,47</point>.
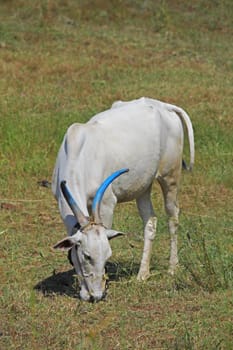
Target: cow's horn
<point>100,192</point>
<point>82,219</point>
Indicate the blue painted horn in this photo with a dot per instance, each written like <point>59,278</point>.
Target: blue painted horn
<point>100,192</point>
<point>82,219</point>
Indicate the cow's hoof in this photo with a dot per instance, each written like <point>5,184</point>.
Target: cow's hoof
<point>172,270</point>
<point>143,276</point>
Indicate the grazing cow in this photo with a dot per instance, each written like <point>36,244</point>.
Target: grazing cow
<point>112,158</point>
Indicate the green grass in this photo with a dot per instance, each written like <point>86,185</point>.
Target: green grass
<point>61,62</point>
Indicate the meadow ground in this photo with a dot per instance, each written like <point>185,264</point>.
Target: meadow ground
<point>63,61</point>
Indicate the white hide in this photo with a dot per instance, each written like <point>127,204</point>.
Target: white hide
<point>144,135</point>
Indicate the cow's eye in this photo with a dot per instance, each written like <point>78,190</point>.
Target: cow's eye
<point>87,256</point>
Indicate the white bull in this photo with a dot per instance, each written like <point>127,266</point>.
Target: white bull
<point>144,136</point>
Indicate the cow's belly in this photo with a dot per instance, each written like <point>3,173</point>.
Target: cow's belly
<point>134,183</point>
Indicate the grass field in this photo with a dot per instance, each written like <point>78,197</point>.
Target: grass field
<point>63,61</point>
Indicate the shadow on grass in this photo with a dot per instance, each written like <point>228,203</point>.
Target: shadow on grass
<point>121,270</point>
<point>65,283</point>
<point>61,283</point>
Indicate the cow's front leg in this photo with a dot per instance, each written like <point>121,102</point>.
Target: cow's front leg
<point>108,204</point>
<point>149,235</point>
<point>150,221</point>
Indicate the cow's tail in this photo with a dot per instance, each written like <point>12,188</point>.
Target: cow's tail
<point>186,120</point>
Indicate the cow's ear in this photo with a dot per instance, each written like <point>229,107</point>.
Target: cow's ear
<point>68,242</point>
<point>112,234</point>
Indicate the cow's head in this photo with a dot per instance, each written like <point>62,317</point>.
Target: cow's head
<point>90,248</point>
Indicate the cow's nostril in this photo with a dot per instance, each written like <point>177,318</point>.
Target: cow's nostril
<point>94,298</point>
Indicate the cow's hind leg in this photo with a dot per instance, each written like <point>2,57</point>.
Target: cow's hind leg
<point>169,185</point>
<point>149,220</point>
